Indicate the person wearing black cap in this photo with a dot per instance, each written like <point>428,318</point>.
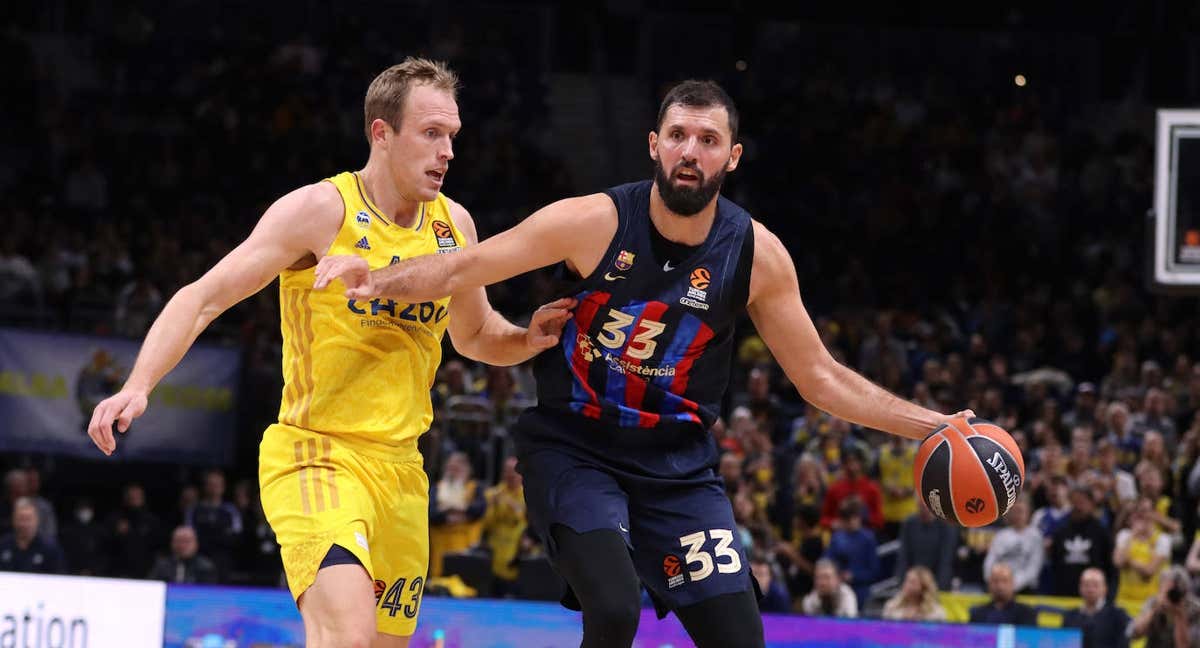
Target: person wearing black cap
<point>1083,412</point>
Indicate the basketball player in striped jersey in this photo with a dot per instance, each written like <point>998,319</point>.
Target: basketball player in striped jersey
<point>617,459</point>
<point>341,478</point>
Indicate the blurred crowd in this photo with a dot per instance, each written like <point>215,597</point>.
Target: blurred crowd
<point>963,249</point>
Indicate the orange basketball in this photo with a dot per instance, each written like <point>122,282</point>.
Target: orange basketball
<point>969,472</point>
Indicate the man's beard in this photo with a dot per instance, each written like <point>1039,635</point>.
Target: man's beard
<point>687,201</point>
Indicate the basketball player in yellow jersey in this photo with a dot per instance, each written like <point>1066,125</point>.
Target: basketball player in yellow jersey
<point>341,478</point>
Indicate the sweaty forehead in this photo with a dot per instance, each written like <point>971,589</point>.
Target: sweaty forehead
<point>700,118</point>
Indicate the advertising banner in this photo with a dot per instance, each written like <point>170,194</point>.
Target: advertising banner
<point>49,384</point>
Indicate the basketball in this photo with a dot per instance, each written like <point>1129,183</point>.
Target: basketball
<point>969,472</point>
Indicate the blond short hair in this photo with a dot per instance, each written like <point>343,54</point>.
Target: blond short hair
<point>386,94</point>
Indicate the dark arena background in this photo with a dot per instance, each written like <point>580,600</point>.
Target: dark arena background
<point>984,204</point>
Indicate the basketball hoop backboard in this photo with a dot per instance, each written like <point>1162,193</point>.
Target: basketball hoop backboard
<point>1176,215</point>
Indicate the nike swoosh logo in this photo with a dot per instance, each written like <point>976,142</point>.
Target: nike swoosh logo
<point>667,267</point>
<point>622,527</point>
<point>612,277</point>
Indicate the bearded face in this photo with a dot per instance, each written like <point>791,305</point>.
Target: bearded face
<point>686,190</point>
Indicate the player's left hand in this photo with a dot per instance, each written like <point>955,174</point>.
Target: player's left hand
<point>547,323</point>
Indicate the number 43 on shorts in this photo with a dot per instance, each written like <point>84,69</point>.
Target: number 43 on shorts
<point>694,542</point>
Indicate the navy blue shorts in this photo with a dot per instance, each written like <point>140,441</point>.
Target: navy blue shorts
<point>680,532</point>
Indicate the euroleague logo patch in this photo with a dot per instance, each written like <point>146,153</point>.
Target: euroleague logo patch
<point>445,235</point>
<point>673,570</point>
<point>974,505</point>
<point>696,296</point>
<point>380,586</point>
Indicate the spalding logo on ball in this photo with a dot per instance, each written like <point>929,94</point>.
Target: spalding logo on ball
<point>969,472</point>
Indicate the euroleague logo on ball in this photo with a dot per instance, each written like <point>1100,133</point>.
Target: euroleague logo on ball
<point>970,471</point>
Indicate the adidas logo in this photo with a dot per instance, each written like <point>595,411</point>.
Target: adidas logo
<point>362,244</point>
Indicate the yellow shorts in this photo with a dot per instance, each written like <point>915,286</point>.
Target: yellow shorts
<point>317,492</point>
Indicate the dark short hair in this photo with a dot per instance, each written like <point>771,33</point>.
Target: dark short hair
<point>854,452</point>
<point>700,94</point>
<point>809,514</point>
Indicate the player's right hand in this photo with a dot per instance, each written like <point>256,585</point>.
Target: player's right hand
<point>122,407</point>
<point>352,270</point>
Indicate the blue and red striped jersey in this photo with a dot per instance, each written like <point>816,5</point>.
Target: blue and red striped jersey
<point>650,343</point>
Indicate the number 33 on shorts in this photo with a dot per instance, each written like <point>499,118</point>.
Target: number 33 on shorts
<point>701,563</point>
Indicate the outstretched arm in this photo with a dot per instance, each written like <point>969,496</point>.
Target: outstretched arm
<point>299,225</point>
<point>480,333</point>
<point>784,324</point>
<point>575,230</point>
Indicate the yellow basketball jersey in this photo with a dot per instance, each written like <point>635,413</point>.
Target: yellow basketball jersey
<point>361,370</point>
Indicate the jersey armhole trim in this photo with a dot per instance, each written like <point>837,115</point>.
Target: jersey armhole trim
<point>618,237</point>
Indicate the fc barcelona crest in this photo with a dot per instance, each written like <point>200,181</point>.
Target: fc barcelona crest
<point>624,260</point>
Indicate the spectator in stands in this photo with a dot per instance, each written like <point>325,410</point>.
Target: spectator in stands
<point>1150,482</point>
<point>1018,545</point>
<point>24,550</point>
<point>1120,485</point>
<point>1193,557</point>
<point>799,556</point>
<point>83,541</point>
<point>853,481</point>
<point>1119,428</point>
<point>1056,491</point>
<point>1002,608</point>
<point>880,345</point>
<point>730,469</point>
<point>853,549</point>
<point>830,596</point>
<point>1154,416</point>
<point>1103,624</point>
<point>1081,455</point>
<point>137,303</point>
<point>764,406</point>
<point>1171,618</point>
<point>504,524</point>
<point>456,504</point>
<point>1081,542</point>
<point>135,534</point>
<point>929,542</point>
<point>774,595</point>
<point>917,599</point>
<point>47,518</point>
<point>217,523</point>
<point>1142,553</point>
<point>16,486</point>
<point>189,496</point>
<point>896,480</point>
<point>809,487</point>
<point>185,564</point>
<point>19,278</point>
<point>1154,453</point>
<point>1084,410</point>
